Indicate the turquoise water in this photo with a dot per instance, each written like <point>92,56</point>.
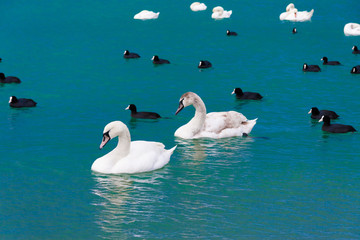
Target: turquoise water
<point>288,180</point>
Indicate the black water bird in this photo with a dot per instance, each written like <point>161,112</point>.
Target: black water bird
<point>246,95</point>
<point>21,102</point>
<point>326,62</point>
<point>128,54</point>
<point>311,68</point>
<point>143,115</point>
<point>355,70</point>
<point>355,50</point>
<point>157,60</point>
<point>8,79</point>
<point>204,64</point>
<point>317,114</point>
<point>335,128</point>
<point>230,33</point>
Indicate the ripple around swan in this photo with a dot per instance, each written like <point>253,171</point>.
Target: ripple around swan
<point>126,200</point>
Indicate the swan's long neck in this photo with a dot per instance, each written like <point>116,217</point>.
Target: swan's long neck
<point>105,163</point>
<point>198,121</point>
<point>123,147</point>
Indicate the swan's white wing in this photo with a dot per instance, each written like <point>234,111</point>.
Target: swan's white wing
<point>284,15</point>
<point>304,16</point>
<point>144,156</point>
<point>226,124</point>
<point>145,14</point>
<point>352,29</point>
<point>300,16</point>
<point>218,121</point>
<point>197,6</point>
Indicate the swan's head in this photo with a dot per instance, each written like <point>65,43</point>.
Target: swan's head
<point>218,9</point>
<point>290,6</point>
<point>126,52</point>
<point>187,99</point>
<point>112,130</point>
<point>325,59</point>
<point>155,58</point>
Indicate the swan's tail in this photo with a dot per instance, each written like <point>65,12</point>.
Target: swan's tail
<point>172,150</point>
<point>248,125</point>
<point>311,12</point>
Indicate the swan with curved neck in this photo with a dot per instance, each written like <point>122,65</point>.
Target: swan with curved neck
<point>127,156</point>
<point>220,13</point>
<point>197,6</point>
<point>292,14</point>
<point>352,29</point>
<point>146,15</point>
<point>211,125</point>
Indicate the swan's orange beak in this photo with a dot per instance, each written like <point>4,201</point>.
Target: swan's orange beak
<point>105,140</point>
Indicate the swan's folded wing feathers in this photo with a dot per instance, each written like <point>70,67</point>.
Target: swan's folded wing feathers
<point>235,118</point>
<point>142,157</point>
<point>145,145</point>
<point>215,122</point>
<point>218,121</point>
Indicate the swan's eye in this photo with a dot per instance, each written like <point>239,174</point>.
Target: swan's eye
<point>106,135</point>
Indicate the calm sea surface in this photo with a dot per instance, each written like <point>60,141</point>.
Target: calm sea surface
<point>287,180</point>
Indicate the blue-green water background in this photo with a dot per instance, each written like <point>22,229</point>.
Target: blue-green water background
<point>289,180</point>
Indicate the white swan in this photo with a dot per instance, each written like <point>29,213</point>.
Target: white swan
<point>292,14</point>
<point>211,125</point>
<point>196,6</point>
<point>145,15</point>
<point>352,29</point>
<point>130,157</point>
<point>220,13</point>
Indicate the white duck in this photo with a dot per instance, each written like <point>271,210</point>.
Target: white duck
<point>145,15</point>
<point>196,6</point>
<point>130,157</point>
<point>292,14</point>
<point>220,13</point>
<point>352,29</point>
<point>211,125</point>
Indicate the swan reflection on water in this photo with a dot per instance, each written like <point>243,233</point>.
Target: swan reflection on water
<point>199,149</point>
<point>120,199</point>
<point>134,122</point>
<point>125,202</point>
